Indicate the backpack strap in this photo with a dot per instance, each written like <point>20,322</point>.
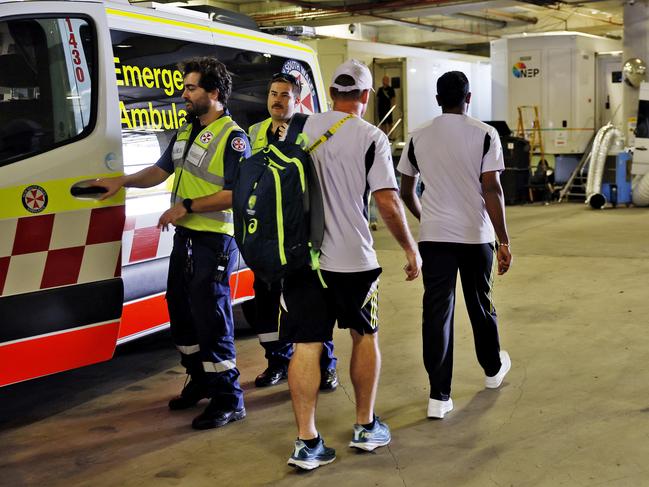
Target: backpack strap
<point>329,133</point>
<point>295,127</point>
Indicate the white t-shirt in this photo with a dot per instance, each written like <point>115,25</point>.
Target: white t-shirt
<point>448,153</point>
<point>354,162</point>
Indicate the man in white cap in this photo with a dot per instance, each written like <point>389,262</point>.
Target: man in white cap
<point>352,164</point>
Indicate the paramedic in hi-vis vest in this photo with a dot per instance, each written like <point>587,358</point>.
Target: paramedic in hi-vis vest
<point>283,94</point>
<point>203,156</point>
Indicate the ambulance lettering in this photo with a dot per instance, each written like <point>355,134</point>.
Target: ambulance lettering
<point>165,117</point>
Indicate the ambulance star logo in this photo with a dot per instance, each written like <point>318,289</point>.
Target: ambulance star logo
<point>34,198</point>
<point>206,137</point>
<point>238,144</point>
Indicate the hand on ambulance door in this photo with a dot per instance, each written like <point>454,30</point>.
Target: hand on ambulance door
<point>111,185</point>
<point>146,178</point>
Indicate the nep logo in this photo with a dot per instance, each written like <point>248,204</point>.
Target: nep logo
<point>519,70</point>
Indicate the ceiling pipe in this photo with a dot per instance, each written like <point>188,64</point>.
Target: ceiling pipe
<point>419,25</point>
<point>498,24</point>
<point>518,17</point>
<point>384,4</point>
<point>409,23</point>
<point>293,16</point>
<point>369,9</point>
<point>440,27</point>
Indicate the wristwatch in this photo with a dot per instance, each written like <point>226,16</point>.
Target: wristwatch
<point>187,203</point>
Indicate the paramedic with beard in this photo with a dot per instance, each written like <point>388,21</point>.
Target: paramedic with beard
<point>203,156</point>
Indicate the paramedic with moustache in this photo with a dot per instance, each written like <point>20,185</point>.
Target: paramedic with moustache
<point>203,156</point>
<point>283,95</point>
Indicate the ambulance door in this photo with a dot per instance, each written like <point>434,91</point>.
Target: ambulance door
<point>60,286</point>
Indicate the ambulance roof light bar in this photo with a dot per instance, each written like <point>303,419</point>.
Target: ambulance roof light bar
<point>291,31</point>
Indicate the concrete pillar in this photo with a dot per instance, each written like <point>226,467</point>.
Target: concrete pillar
<point>636,44</point>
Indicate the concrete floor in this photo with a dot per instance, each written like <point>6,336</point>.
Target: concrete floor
<point>573,411</point>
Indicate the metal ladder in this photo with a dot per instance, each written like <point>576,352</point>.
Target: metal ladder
<point>576,184</point>
<point>533,135</point>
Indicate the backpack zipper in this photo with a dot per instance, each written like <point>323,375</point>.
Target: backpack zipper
<point>278,211</point>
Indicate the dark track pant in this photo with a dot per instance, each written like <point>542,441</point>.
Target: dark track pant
<point>265,324</point>
<point>441,263</point>
<point>200,313</point>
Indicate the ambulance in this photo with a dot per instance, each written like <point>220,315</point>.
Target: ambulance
<point>92,89</point>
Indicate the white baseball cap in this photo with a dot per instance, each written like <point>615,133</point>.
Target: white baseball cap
<point>357,70</point>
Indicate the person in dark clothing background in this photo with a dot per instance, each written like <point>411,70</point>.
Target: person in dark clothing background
<point>385,99</point>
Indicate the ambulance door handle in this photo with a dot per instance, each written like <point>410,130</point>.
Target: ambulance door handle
<point>84,189</point>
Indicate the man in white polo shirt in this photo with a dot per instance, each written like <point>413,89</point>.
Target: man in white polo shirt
<point>459,160</point>
<point>352,164</point>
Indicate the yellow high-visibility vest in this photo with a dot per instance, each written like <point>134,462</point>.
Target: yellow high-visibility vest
<point>199,171</point>
<point>257,135</point>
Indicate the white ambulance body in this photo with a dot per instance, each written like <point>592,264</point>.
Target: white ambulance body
<point>91,89</point>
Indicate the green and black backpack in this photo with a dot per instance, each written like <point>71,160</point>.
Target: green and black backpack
<point>277,206</point>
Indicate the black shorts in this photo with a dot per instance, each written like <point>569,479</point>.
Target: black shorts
<point>308,312</point>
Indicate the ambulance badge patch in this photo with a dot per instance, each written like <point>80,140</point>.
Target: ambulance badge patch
<point>34,198</point>
<point>308,99</point>
<point>238,144</point>
<point>206,137</point>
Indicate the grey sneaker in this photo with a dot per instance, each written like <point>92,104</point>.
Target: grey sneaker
<point>369,440</point>
<point>309,458</point>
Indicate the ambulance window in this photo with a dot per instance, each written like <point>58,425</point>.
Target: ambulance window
<point>151,84</point>
<point>46,79</point>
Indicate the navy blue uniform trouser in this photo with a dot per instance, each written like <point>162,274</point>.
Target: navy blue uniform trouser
<point>200,312</point>
<point>279,352</point>
<point>441,263</point>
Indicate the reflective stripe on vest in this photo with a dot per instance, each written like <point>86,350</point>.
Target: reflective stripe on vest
<point>257,135</point>
<point>199,171</point>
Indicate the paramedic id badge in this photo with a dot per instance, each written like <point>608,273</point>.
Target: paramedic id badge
<point>178,150</point>
<point>196,155</point>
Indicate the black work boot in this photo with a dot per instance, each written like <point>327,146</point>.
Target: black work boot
<point>191,394</point>
<point>215,416</point>
<point>271,376</point>
<point>329,380</point>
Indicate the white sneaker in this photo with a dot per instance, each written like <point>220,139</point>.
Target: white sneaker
<point>495,381</point>
<point>437,409</point>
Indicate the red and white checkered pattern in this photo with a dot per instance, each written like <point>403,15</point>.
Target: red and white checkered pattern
<point>60,249</point>
<point>143,240</point>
